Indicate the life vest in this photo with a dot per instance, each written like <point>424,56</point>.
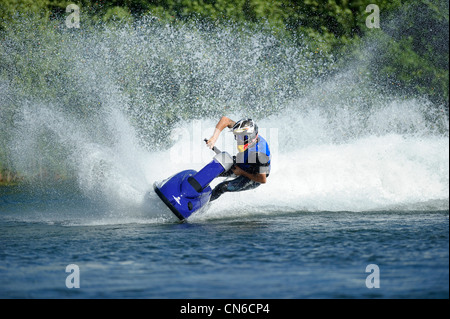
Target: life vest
<point>255,159</point>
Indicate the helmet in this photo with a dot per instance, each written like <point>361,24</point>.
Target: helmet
<point>246,133</point>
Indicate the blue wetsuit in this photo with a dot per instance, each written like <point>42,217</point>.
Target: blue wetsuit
<point>256,159</point>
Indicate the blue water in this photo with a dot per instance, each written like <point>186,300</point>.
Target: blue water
<point>359,173</point>
<point>275,254</point>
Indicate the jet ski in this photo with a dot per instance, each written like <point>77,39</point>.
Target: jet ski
<point>188,191</point>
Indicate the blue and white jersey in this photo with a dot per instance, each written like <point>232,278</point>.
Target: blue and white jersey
<point>256,159</point>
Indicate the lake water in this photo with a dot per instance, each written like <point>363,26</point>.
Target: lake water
<point>272,254</point>
<point>359,172</point>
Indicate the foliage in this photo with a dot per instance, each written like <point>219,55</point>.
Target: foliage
<point>409,52</point>
<point>416,55</point>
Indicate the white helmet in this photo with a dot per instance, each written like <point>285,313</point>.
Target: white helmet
<point>246,133</point>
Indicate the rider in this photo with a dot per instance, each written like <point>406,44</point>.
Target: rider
<point>252,162</point>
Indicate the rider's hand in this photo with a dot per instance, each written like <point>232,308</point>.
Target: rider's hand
<point>211,142</point>
<point>237,170</point>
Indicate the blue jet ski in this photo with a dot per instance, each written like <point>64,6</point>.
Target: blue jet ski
<point>188,191</point>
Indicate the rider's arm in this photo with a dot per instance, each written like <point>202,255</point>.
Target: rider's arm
<point>258,177</point>
<point>223,123</point>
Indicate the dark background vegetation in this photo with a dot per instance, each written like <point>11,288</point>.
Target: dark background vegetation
<point>414,54</point>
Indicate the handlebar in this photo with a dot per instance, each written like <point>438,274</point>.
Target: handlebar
<point>215,149</point>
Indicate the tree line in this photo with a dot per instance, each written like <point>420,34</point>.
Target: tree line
<point>415,56</point>
<point>413,36</point>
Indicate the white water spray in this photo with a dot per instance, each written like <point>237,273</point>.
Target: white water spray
<point>140,99</point>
